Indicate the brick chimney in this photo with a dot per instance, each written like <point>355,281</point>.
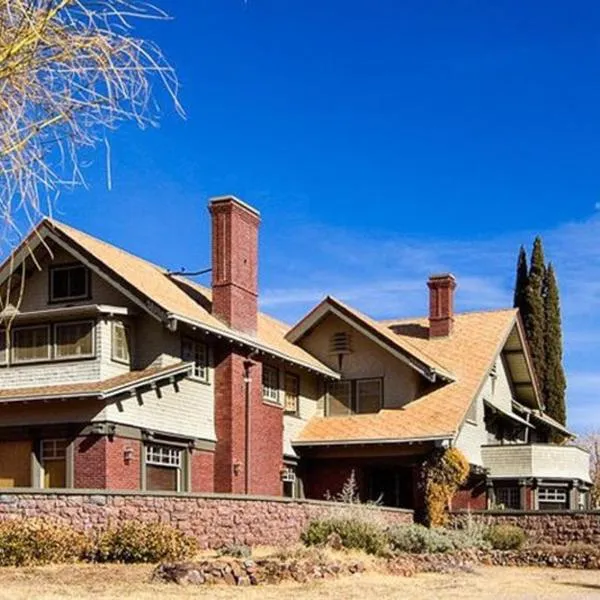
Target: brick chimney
<point>441,304</point>
<point>235,263</point>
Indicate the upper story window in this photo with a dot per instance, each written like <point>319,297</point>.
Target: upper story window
<point>31,344</point>
<point>74,339</point>
<point>354,396</point>
<point>197,353</point>
<point>270,383</point>
<point>69,282</point>
<point>292,394</point>
<point>121,342</point>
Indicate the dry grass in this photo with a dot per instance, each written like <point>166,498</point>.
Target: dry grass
<point>129,582</point>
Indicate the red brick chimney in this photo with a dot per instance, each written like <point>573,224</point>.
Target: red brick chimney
<point>441,304</point>
<point>235,262</point>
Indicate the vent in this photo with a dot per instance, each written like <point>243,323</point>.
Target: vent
<point>340,343</point>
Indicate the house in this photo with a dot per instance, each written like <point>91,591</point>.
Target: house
<point>118,374</point>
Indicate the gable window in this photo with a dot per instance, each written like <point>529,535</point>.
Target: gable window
<point>270,383</point>
<point>339,398</point>
<point>54,463</point>
<point>508,497</point>
<point>69,282</point>
<point>31,344</point>
<point>163,468</point>
<point>121,342</point>
<point>197,353</point>
<point>292,394</point>
<point>73,340</point>
<point>368,395</point>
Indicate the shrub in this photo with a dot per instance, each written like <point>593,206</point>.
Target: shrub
<point>39,542</point>
<point>506,537</point>
<point>353,534</point>
<point>420,539</point>
<point>235,551</point>
<point>135,542</point>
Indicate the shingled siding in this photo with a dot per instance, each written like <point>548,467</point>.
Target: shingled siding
<point>553,527</point>
<point>213,518</point>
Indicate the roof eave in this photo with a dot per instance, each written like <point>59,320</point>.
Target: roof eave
<point>374,441</point>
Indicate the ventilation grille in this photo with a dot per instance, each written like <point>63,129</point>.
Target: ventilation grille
<point>340,343</point>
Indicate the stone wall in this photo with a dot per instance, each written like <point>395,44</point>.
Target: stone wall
<point>542,527</point>
<point>214,519</point>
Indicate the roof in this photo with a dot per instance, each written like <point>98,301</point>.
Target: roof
<point>419,358</point>
<point>469,353</point>
<point>98,389</point>
<point>177,297</point>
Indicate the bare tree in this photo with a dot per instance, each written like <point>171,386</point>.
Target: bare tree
<point>590,441</point>
<point>69,71</point>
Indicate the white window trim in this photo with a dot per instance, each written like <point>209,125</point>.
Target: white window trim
<point>202,378</point>
<point>178,466</point>
<point>128,332</point>
<point>357,399</point>
<point>67,268</point>
<point>267,390</point>
<point>558,496</point>
<point>13,347</point>
<point>55,344</point>
<point>295,413</point>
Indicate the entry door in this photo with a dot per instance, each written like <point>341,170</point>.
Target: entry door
<point>393,486</point>
<point>15,464</point>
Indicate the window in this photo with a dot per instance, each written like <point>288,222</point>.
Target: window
<point>73,339</point>
<point>3,342</point>
<point>121,342</point>
<point>163,468</point>
<point>553,498</point>
<point>339,398</point>
<point>508,497</point>
<point>196,352</point>
<point>69,283</point>
<point>292,394</point>
<point>368,395</point>
<point>31,344</point>
<point>54,463</point>
<point>270,381</point>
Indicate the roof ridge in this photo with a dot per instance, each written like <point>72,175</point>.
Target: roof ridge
<point>463,313</point>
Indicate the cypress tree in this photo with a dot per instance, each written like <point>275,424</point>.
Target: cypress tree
<point>533,313</point>
<point>521,281</point>
<point>554,376</point>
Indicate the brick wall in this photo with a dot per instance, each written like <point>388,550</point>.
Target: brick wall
<point>214,520</point>
<point>202,471</point>
<point>122,473</point>
<point>89,462</point>
<point>543,527</point>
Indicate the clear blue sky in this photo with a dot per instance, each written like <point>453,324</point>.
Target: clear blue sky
<point>381,141</point>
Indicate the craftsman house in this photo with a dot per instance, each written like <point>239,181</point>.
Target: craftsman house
<point>118,374</point>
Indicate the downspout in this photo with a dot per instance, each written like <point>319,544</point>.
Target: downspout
<point>248,364</point>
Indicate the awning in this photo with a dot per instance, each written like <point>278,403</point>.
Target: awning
<point>540,416</point>
<point>507,414</point>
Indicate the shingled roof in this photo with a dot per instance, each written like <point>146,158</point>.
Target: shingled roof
<point>468,354</point>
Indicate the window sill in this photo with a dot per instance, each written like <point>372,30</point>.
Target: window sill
<point>47,361</point>
<point>273,403</point>
<point>296,415</point>
<point>120,361</point>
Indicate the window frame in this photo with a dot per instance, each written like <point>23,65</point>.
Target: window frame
<point>65,267</point>
<point>204,378</point>
<point>55,455</point>
<point>274,397</point>
<point>353,403</point>
<point>296,378</point>
<point>15,361</point>
<point>509,490</point>
<point>128,337</point>
<point>356,398</point>
<point>563,491</point>
<point>7,346</point>
<point>179,466</point>
<point>55,345</point>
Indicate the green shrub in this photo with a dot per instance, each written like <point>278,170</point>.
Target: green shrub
<point>506,537</point>
<point>420,540</point>
<point>135,542</point>
<point>353,534</point>
<point>39,542</point>
<point>235,551</point>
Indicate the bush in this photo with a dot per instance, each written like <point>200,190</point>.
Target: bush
<point>134,542</point>
<point>419,539</point>
<point>506,537</point>
<point>235,551</point>
<point>39,542</point>
<point>352,533</point>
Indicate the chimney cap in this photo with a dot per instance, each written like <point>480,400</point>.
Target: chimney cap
<point>231,199</point>
<point>442,277</point>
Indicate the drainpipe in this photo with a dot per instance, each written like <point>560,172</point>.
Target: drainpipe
<point>248,364</point>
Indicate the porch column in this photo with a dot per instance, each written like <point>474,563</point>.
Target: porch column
<point>573,495</point>
<point>491,496</point>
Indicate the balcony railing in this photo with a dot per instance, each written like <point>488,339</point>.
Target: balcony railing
<point>545,461</point>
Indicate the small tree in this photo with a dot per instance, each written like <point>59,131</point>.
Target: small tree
<point>591,442</point>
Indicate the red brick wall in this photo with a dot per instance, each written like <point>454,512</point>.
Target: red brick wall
<point>89,462</point>
<point>122,474</point>
<point>322,476</point>
<point>474,498</point>
<point>202,471</point>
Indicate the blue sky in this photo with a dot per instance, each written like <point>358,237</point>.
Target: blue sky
<point>382,141</point>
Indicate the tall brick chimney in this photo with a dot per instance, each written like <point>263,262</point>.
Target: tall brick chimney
<point>441,305</point>
<point>235,262</point>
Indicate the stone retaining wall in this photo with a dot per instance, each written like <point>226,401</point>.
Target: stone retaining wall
<point>213,518</point>
<point>542,527</point>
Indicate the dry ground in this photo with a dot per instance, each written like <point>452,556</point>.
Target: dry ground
<point>129,582</point>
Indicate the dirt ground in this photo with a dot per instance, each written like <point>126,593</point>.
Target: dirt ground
<point>132,582</point>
